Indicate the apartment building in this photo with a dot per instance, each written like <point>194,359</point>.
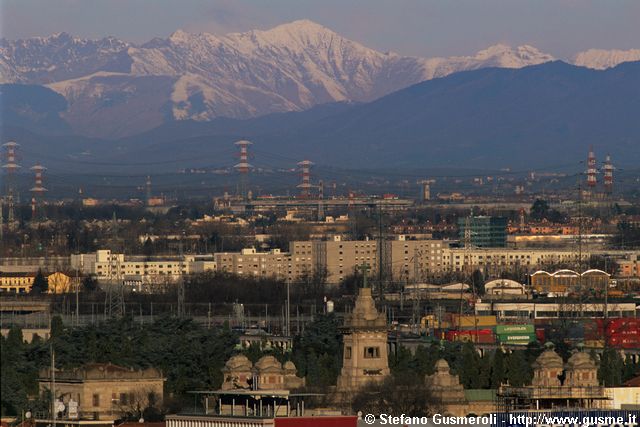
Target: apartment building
<point>402,259</point>
<point>106,265</point>
<point>499,259</point>
<point>275,263</point>
<point>415,259</point>
<point>629,266</point>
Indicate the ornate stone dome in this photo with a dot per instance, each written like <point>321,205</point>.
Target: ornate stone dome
<point>442,366</point>
<point>268,363</point>
<point>549,359</point>
<point>581,360</point>
<point>289,367</point>
<point>238,362</point>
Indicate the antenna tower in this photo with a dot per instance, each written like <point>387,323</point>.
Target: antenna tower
<point>243,168</point>
<point>591,170</point>
<point>10,168</point>
<point>148,189</point>
<point>305,186</point>
<point>608,175</point>
<point>37,191</point>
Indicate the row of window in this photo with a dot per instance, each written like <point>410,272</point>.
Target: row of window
<point>369,352</point>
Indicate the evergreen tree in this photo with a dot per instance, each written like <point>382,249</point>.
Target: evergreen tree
<point>611,367</point>
<point>518,370</point>
<point>630,369</point>
<point>498,368</point>
<point>469,365</point>
<point>40,284</point>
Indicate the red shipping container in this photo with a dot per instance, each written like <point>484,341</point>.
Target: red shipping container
<point>624,341</point>
<point>320,421</point>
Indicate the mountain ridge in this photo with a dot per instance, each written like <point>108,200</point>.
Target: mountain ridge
<point>537,116</point>
<point>115,88</point>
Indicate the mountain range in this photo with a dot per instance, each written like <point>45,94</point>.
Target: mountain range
<point>115,88</point>
<point>302,91</point>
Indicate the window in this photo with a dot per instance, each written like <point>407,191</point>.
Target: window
<point>372,352</point>
<point>96,400</point>
<point>347,353</point>
<point>124,398</point>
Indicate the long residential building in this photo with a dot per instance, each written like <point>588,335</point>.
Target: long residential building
<point>402,259</point>
<point>106,265</point>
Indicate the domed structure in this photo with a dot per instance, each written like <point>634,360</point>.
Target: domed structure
<point>289,367</point>
<point>237,373</point>
<point>547,369</point>
<point>446,388</point>
<point>442,366</point>
<point>268,364</point>
<point>291,380</point>
<point>581,371</point>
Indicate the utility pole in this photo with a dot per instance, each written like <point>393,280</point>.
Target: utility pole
<point>381,254</point>
<point>181,307</point>
<point>288,314</point>
<point>53,375</point>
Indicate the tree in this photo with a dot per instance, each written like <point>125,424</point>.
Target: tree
<point>317,353</point>
<point>539,210</point>
<point>90,283</point>
<point>611,368</point>
<point>405,393</point>
<point>498,368</point>
<point>627,236</point>
<point>519,371</point>
<point>469,365</point>
<point>40,284</point>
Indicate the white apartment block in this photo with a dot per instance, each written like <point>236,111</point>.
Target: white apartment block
<point>276,264</point>
<point>105,265</point>
<point>499,259</point>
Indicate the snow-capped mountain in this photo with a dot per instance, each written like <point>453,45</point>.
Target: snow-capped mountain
<point>291,67</point>
<point>600,59</point>
<point>58,57</point>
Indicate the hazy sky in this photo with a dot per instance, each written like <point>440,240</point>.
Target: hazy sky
<point>419,27</point>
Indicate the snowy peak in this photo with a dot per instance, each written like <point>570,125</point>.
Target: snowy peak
<point>291,67</point>
<point>503,55</point>
<point>601,59</point>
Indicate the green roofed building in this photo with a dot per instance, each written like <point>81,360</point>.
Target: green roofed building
<point>485,231</point>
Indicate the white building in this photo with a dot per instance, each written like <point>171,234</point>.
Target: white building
<point>105,265</point>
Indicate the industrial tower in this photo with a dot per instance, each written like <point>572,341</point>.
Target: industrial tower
<point>608,175</point>
<point>425,189</point>
<point>243,168</point>
<point>148,190</point>
<point>37,191</point>
<point>591,170</point>
<point>10,168</point>
<point>305,171</point>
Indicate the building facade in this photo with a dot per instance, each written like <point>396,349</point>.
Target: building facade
<point>105,391</point>
<point>106,265</point>
<point>483,231</point>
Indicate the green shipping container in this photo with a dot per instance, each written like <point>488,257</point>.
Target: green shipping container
<point>509,338</point>
<point>515,329</point>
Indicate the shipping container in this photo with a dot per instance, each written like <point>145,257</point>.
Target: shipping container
<point>515,329</point>
<point>458,321</point>
<point>628,342</point>
<point>483,336</point>
<point>509,338</point>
